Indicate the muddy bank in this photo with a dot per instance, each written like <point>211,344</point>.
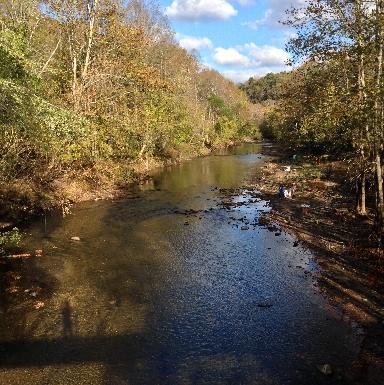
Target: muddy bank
<point>321,215</point>
<point>22,200</point>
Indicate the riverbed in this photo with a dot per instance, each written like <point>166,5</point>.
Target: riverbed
<point>179,283</point>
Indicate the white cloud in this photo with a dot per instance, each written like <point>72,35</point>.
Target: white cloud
<point>288,35</point>
<point>245,2</point>
<point>251,56</point>
<point>250,60</point>
<point>191,43</point>
<point>200,10</point>
<point>275,13</point>
<point>267,55</point>
<point>230,57</point>
<point>239,76</point>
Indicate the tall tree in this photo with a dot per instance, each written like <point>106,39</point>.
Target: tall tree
<point>337,30</point>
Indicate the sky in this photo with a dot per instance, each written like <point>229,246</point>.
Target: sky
<point>239,38</point>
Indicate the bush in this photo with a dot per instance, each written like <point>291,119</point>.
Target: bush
<point>9,240</point>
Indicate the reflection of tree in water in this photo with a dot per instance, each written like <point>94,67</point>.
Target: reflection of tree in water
<point>66,313</point>
<point>221,171</point>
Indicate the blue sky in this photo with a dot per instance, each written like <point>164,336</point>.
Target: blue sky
<point>239,38</point>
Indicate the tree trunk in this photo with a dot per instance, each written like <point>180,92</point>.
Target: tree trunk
<point>143,148</point>
<point>378,117</point>
<point>50,58</point>
<point>75,84</point>
<point>92,11</point>
<point>380,198</point>
<point>361,195</point>
<point>363,127</point>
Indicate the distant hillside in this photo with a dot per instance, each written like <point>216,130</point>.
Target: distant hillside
<point>265,88</point>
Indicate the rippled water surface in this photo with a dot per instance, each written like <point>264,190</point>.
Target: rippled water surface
<point>153,296</point>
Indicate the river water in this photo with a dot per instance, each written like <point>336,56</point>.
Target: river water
<point>150,295</point>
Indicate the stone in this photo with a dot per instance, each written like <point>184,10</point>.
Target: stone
<point>264,305</point>
<point>326,369</point>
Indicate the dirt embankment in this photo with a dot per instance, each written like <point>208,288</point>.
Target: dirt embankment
<point>321,214</point>
<point>24,198</point>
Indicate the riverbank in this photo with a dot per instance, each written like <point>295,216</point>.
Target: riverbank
<point>24,199</point>
<point>351,264</point>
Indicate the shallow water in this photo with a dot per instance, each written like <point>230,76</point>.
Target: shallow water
<point>153,296</point>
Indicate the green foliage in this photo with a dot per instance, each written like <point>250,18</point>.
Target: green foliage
<point>9,240</point>
<point>251,130</point>
<point>227,128</point>
<point>334,102</point>
<point>66,136</point>
<point>13,64</point>
<point>310,171</point>
<point>70,105</point>
<point>266,88</point>
<point>268,126</point>
<point>312,112</point>
<point>229,125</point>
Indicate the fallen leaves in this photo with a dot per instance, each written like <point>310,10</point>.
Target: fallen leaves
<point>39,305</point>
<point>12,289</point>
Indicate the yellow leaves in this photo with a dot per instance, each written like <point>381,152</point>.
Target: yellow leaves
<point>118,87</point>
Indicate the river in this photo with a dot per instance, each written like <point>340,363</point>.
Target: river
<point>170,286</point>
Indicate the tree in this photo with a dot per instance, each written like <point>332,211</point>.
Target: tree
<point>88,87</point>
<point>349,34</point>
<point>266,88</point>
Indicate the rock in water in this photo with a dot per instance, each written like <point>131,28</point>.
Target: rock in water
<point>326,369</point>
<point>265,305</point>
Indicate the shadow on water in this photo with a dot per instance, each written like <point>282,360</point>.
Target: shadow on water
<point>23,283</point>
<point>71,350</point>
<point>67,320</point>
<point>124,362</point>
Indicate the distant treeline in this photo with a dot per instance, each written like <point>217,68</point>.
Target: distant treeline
<point>266,88</point>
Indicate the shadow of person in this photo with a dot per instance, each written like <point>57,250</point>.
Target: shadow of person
<point>66,314</point>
